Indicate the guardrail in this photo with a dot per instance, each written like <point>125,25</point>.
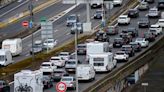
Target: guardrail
<point>112,78</point>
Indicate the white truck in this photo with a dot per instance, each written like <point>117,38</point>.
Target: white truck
<point>156,29</point>
<point>85,72</point>
<point>5,57</point>
<point>123,19</point>
<point>14,45</point>
<point>102,62</point>
<point>28,81</point>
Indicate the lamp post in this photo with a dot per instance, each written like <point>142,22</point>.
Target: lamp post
<point>31,25</point>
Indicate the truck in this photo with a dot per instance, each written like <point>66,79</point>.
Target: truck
<point>5,57</point>
<point>85,72</point>
<point>28,81</point>
<point>14,45</point>
<point>102,62</point>
<point>96,47</point>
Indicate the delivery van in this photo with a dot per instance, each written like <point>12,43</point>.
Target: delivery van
<point>102,62</point>
<point>85,72</point>
<point>5,57</point>
<point>14,45</point>
<point>28,81</point>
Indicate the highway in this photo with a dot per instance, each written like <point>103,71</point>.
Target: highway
<point>63,34</point>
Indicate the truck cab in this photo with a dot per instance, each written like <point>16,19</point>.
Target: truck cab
<point>5,57</point>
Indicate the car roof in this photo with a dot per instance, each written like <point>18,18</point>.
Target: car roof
<point>120,51</point>
<point>47,63</point>
<point>126,45</point>
<point>64,52</point>
<point>123,16</point>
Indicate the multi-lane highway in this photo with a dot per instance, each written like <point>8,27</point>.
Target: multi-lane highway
<point>62,35</point>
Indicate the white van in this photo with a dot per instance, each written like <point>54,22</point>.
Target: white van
<point>160,22</point>
<point>85,72</point>
<point>5,57</point>
<point>102,62</point>
<point>14,45</point>
<point>28,81</point>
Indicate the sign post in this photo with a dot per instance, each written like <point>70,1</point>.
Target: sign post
<point>61,87</point>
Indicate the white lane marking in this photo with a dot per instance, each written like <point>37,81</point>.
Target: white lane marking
<point>68,34</point>
<point>66,11</point>
<point>56,30</point>
<point>14,8</point>
<point>11,82</point>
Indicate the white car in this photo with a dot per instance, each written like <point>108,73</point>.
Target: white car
<point>142,41</point>
<point>58,61</point>
<point>117,2</point>
<point>70,81</point>
<point>160,22</point>
<point>121,56</point>
<point>49,43</point>
<point>123,19</point>
<point>64,55</point>
<point>153,12</point>
<point>47,67</point>
<point>155,29</point>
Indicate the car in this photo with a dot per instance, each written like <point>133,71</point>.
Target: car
<point>65,55</point>
<point>127,37</point>
<point>124,32</point>
<point>160,4</point>
<point>149,36</point>
<point>77,27</point>
<point>142,41</point>
<point>160,22</point>
<point>36,49</point>
<point>121,56</point>
<point>81,49</point>
<point>49,43</point>
<point>70,65</point>
<point>4,86</point>
<point>123,19</point>
<point>143,6</point>
<point>47,81</point>
<point>133,31</point>
<point>143,22</point>
<point>47,66</point>
<point>149,1</point>
<point>59,73</point>
<point>118,42</point>
<point>155,29</point>
<point>136,46</point>
<point>133,13</point>
<point>153,12</point>
<point>71,19</point>
<point>96,5</point>
<point>98,14</point>
<point>70,81</point>
<point>102,36</point>
<point>112,30</point>
<point>58,61</point>
<point>117,2</point>
<point>128,50</point>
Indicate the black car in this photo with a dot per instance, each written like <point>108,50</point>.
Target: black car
<point>102,36</point>
<point>98,14</point>
<point>118,42</point>
<point>127,38</point>
<point>133,31</point>
<point>149,36</point>
<point>149,1</point>
<point>4,86</point>
<point>160,4</point>
<point>133,13</point>
<point>144,22</point>
<point>136,46</point>
<point>95,5</point>
<point>47,81</point>
<point>81,49</point>
<point>128,50</point>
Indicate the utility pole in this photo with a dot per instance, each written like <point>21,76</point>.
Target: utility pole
<point>31,26</point>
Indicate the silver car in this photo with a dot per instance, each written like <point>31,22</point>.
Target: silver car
<point>69,81</point>
<point>71,19</point>
<point>143,6</point>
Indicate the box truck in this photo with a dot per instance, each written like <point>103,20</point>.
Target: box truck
<point>85,72</point>
<point>97,47</point>
<point>14,45</point>
<point>102,62</point>
<point>5,57</point>
<point>28,81</point>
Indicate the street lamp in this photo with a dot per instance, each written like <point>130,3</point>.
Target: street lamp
<point>144,85</point>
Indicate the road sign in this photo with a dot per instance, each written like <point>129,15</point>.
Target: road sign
<point>25,23</point>
<point>61,87</point>
<point>47,30</point>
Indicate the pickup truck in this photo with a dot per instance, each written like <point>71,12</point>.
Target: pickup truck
<point>123,19</point>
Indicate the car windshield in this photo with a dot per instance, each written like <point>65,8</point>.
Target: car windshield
<point>63,54</point>
<point>2,57</point>
<point>152,11</point>
<point>139,39</point>
<point>45,64</point>
<point>46,77</point>
<point>98,11</point>
<point>71,17</point>
<point>58,71</point>
<point>67,79</point>
<point>143,20</point>
<point>110,28</point>
<point>118,39</point>
<point>119,53</point>
<point>122,17</point>
<point>152,30</point>
<point>81,46</point>
<point>72,62</point>
<point>47,73</point>
<point>55,59</point>
<point>132,10</point>
<point>126,48</point>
